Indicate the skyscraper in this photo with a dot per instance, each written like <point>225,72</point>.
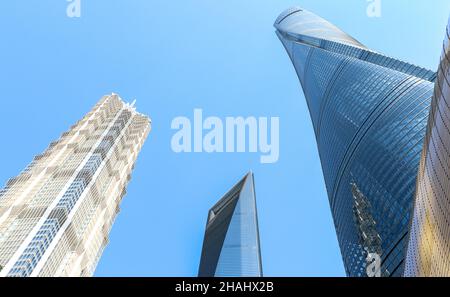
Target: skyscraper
<point>56,215</point>
<point>429,241</point>
<point>369,113</point>
<point>231,244</point>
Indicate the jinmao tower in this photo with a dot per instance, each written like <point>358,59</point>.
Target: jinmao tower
<point>429,241</point>
<point>231,245</point>
<point>56,215</point>
<point>369,113</point>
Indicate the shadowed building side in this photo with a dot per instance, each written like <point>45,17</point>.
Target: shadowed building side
<point>231,246</point>
<point>369,113</point>
<point>429,242</point>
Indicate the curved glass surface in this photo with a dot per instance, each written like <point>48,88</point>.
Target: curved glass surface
<point>308,24</point>
<point>369,114</point>
<point>429,243</point>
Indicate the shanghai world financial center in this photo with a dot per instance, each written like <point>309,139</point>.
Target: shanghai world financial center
<point>382,128</point>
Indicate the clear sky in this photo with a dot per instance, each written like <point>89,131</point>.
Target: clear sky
<point>173,56</point>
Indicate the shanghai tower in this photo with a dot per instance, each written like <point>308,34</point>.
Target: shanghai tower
<point>55,217</point>
<point>369,113</point>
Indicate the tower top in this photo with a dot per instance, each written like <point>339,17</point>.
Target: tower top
<point>297,21</point>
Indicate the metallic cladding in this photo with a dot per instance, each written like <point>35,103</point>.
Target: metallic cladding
<point>429,241</point>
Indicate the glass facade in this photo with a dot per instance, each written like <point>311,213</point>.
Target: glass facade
<point>429,242</point>
<point>369,113</point>
<point>231,245</point>
<point>56,215</point>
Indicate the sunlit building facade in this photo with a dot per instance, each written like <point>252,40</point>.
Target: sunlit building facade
<point>56,215</point>
<point>369,114</point>
<point>429,243</point>
<point>231,246</point>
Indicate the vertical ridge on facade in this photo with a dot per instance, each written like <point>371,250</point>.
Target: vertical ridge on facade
<point>429,241</point>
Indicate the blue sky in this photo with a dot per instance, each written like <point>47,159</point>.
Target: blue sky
<point>174,56</point>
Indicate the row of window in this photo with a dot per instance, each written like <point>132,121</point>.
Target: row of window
<point>39,244</point>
